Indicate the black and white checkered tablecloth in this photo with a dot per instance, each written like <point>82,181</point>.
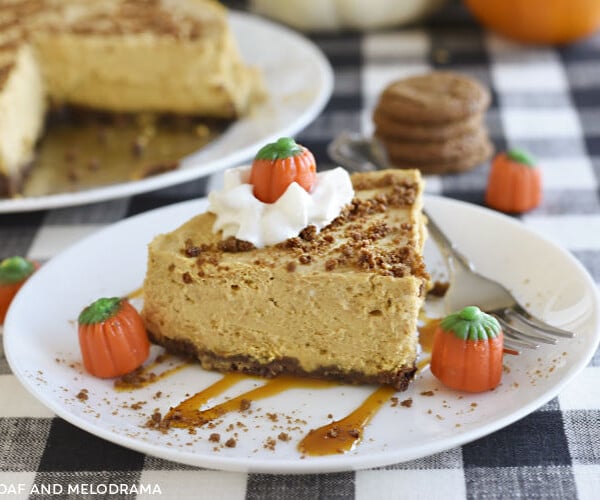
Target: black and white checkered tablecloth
<point>544,99</point>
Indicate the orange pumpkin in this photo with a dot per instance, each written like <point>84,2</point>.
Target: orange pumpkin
<point>112,338</point>
<point>515,183</point>
<point>467,351</point>
<point>279,164</point>
<point>539,21</point>
<point>14,272</point>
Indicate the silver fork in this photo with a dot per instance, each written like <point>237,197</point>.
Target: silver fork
<point>468,287</point>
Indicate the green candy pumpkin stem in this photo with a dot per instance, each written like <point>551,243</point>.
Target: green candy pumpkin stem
<point>471,323</point>
<point>284,147</point>
<point>521,156</point>
<point>470,313</point>
<point>100,310</point>
<point>15,269</point>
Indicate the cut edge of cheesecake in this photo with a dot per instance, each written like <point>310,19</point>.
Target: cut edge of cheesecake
<point>22,111</point>
<point>339,304</point>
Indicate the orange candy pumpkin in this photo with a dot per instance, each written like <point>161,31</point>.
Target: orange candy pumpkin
<point>14,272</point>
<point>112,338</point>
<point>539,21</point>
<point>279,164</point>
<point>467,351</point>
<point>515,183</point>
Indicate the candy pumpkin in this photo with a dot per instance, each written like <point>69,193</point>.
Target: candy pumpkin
<point>14,271</point>
<point>467,351</point>
<point>539,21</point>
<point>515,182</point>
<point>277,165</point>
<point>112,338</point>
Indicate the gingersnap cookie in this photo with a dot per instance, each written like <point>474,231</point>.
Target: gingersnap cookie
<point>432,151</point>
<point>436,97</point>
<point>390,128</point>
<point>455,165</point>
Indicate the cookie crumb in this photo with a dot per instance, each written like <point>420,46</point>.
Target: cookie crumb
<point>82,395</point>
<point>333,432</point>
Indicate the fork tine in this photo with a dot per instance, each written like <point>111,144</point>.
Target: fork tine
<point>532,335</point>
<point>517,345</point>
<point>527,318</point>
<point>514,318</point>
<point>520,336</point>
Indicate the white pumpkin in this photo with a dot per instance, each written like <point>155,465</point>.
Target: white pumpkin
<point>333,15</point>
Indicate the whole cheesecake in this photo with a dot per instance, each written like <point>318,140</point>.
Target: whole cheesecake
<point>340,303</point>
<point>124,56</point>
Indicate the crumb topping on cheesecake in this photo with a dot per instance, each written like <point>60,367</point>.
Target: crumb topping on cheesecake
<point>349,241</point>
<point>116,17</point>
<point>22,19</point>
<point>187,21</point>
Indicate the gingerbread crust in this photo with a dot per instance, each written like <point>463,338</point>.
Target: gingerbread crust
<point>398,379</point>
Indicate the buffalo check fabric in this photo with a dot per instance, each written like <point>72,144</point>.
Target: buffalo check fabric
<point>544,99</point>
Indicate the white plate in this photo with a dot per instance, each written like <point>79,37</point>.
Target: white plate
<point>549,279</point>
<point>299,82</point>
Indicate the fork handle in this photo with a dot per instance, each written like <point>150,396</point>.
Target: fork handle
<point>449,250</point>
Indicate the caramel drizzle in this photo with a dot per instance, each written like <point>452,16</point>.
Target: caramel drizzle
<point>343,435</point>
<point>336,437</point>
<point>427,334</point>
<point>426,337</point>
<point>423,363</point>
<point>187,413</point>
<point>135,294</point>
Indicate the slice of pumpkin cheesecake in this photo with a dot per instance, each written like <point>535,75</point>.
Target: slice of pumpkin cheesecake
<point>337,303</point>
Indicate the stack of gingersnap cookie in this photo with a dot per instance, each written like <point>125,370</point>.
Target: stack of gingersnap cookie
<point>434,122</point>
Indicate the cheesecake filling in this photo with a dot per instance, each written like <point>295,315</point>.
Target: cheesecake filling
<point>241,215</point>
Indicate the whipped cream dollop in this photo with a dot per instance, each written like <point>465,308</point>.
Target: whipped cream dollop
<point>240,214</point>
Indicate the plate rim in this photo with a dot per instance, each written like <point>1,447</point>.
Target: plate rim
<point>179,176</point>
<point>325,464</point>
